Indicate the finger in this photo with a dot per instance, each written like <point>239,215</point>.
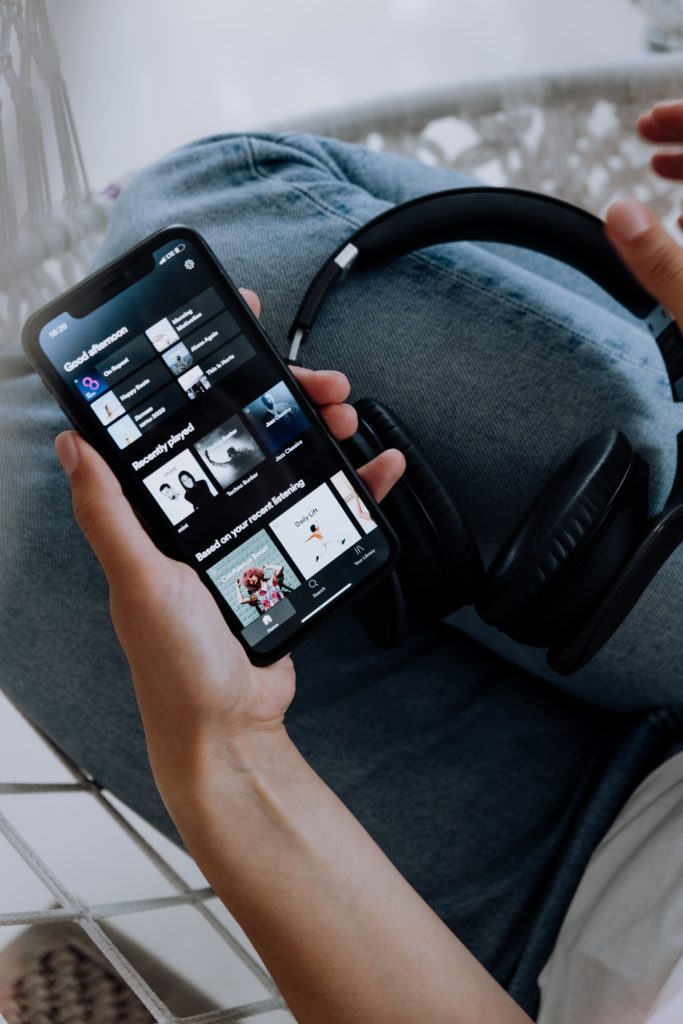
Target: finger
<point>383,472</point>
<point>324,387</point>
<point>648,251</point>
<point>121,545</point>
<point>252,300</point>
<point>663,123</point>
<point>668,165</point>
<point>340,420</point>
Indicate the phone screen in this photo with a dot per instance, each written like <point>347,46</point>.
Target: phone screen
<point>217,448</point>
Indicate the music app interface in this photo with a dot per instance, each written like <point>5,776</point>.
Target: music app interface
<point>202,419</point>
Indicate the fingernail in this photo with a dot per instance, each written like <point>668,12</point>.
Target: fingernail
<point>628,218</point>
<point>67,451</point>
<point>664,106</point>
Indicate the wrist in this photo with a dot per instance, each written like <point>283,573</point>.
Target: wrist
<point>214,763</point>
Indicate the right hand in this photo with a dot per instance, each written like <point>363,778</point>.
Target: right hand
<point>663,124</point>
<point>651,254</point>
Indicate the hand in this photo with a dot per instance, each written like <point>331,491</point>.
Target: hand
<point>193,679</point>
<point>649,252</point>
<point>643,244</point>
<point>664,124</point>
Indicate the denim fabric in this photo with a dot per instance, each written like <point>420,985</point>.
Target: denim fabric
<point>486,785</point>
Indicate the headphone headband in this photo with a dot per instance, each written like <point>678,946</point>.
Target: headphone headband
<point>505,215</point>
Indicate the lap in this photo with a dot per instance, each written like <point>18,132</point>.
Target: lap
<point>499,370</point>
<point>500,367</point>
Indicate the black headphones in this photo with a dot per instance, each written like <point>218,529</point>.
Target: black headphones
<point>575,566</point>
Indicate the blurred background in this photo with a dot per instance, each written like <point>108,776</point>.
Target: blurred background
<point>147,75</point>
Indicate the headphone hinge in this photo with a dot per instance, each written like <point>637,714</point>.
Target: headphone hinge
<point>346,258</point>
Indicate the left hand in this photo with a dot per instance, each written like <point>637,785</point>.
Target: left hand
<point>194,683</point>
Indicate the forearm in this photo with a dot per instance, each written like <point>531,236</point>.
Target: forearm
<point>345,937</point>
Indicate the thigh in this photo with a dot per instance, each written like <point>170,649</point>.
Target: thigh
<point>501,367</point>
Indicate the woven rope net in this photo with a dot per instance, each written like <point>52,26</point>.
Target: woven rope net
<point>49,221</point>
<point>569,134</point>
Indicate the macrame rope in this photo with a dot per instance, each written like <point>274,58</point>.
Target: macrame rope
<point>49,220</point>
<point>168,872</point>
<point>87,917</point>
<point>72,909</point>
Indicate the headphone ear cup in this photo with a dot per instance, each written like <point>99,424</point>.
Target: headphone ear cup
<point>573,540</point>
<point>436,542</point>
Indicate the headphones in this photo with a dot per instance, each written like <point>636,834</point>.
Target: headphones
<point>574,567</point>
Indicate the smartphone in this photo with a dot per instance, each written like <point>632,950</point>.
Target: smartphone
<point>160,364</point>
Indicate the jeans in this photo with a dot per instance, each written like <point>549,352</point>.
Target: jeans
<point>487,780</point>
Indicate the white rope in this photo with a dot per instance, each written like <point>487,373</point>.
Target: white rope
<point>107,910</point>
<point>168,872</point>
<point>77,911</point>
<point>24,788</point>
<point>49,219</point>
<point>74,910</point>
<point>236,1013</point>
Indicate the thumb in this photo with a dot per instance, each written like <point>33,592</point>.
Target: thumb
<point>649,252</point>
<point>121,545</point>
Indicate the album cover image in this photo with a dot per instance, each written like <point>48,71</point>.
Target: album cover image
<point>229,451</point>
<point>178,359</point>
<point>254,578</point>
<point>315,531</point>
<point>353,501</point>
<point>180,486</point>
<point>194,382</point>
<point>124,432</point>
<point>276,417</point>
<point>91,384</point>
<point>162,334</point>
<point>107,408</point>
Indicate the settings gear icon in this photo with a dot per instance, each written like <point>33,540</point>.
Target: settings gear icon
<point>189,264</point>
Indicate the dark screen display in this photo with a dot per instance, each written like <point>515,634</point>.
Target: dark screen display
<point>216,445</point>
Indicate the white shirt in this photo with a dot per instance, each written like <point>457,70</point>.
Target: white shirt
<point>618,958</point>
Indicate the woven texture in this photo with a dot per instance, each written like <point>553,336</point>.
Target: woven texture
<point>53,974</point>
<point>65,986</point>
<point>570,134</point>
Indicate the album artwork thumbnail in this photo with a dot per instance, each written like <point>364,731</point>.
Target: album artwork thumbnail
<point>162,334</point>
<point>194,382</point>
<point>180,486</point>
<point>178,359</point>
<point>107,408</point>
<point>315,531</point>
<point>353,501</point>
<point>276,417</point>
<point>229,451</point>
<point>254,577</point>
<point>124,432</point>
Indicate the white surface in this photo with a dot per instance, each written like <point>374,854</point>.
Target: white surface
<point>619,955</point>
<point>99,863</point>
<point>146,76</point>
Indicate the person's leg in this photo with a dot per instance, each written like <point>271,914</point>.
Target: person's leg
<point>500,367</point>
<point>499,753</point>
